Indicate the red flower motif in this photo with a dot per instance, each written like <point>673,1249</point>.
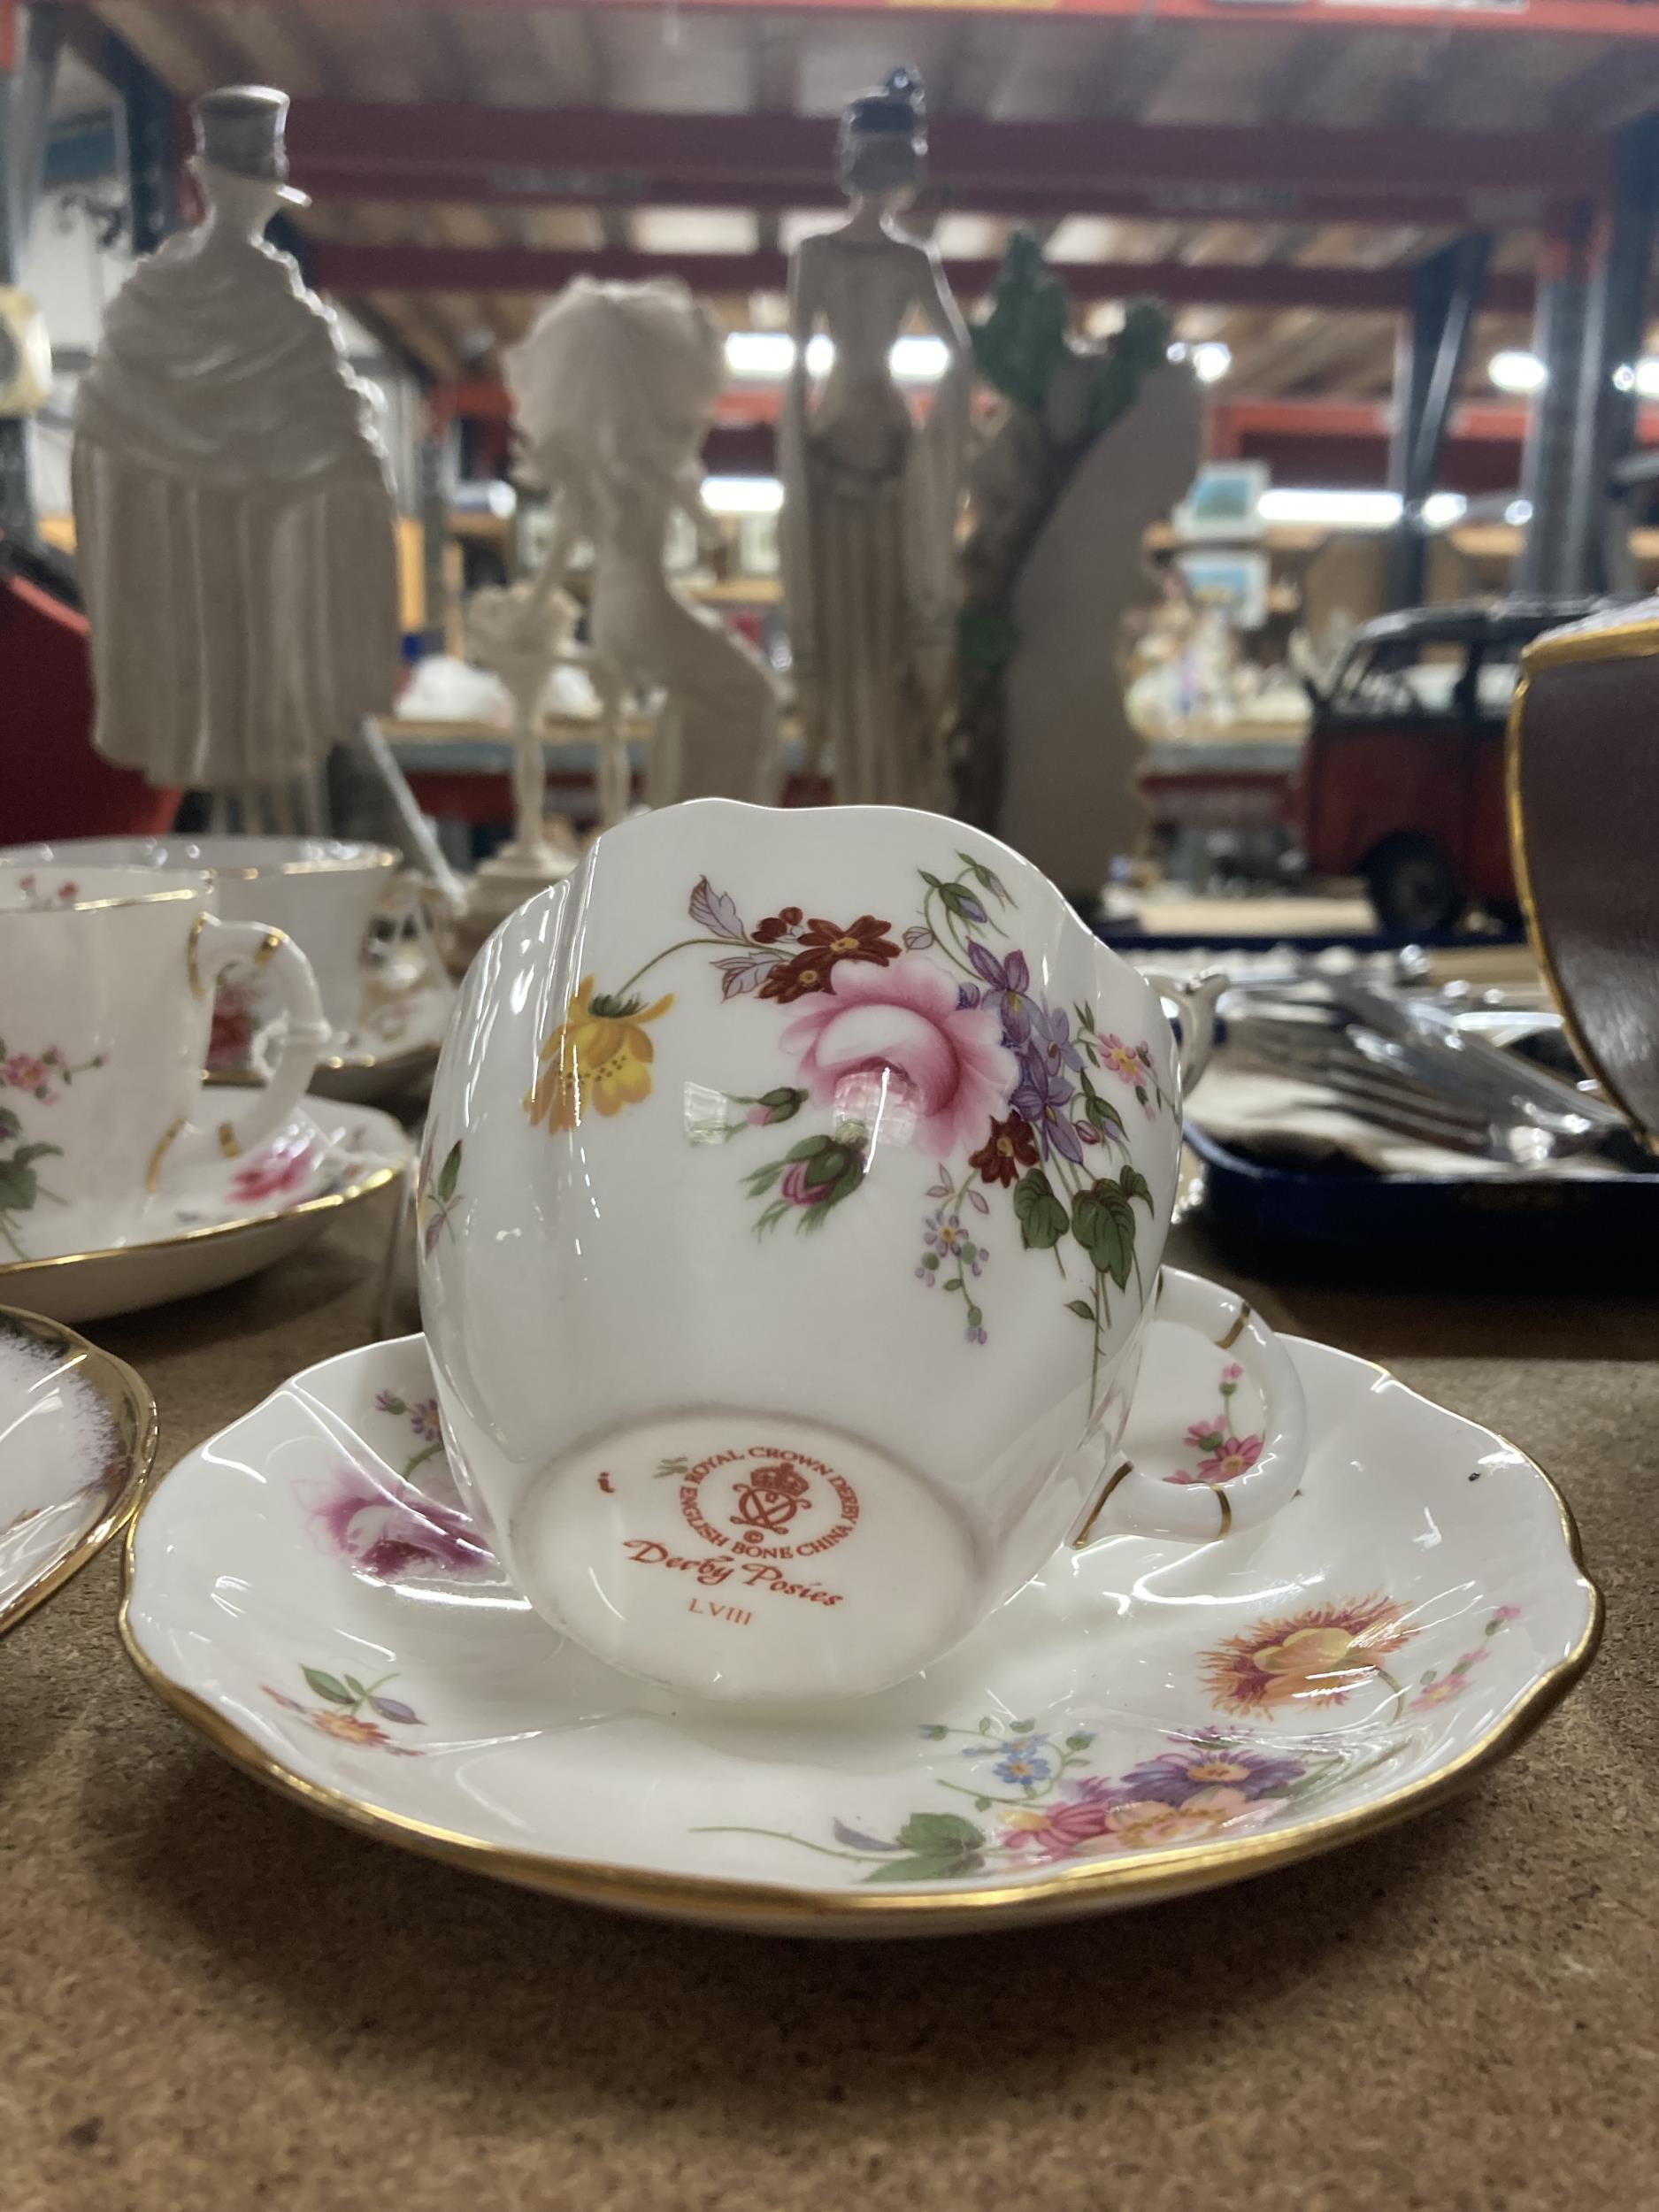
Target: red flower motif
<point>1010,1148</point>
<point>784,923</point>
<point>823,947</point>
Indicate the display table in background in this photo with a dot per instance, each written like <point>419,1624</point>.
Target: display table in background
<point>214,2000</point>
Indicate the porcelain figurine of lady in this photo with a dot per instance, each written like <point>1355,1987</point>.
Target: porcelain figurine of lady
<point>871,497</point>
<point>613,391</point>
<point>235,524</point>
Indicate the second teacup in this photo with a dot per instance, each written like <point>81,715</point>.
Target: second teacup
<point>107,994</point>
<point>794,1191</point>
<point>323,892</point>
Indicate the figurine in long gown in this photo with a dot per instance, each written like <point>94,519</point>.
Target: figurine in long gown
<point>871,500</point>
<point>613,391</point>
<point>234,520</point>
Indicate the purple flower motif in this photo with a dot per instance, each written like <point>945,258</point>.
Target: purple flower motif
<point>1051,1036</point>
<point>387,1402</point>
<point>1011,980</point>
<point>1208,1761</point>
<point>423,1418</point>
<point>1041,1100</point>
<point>968,995</point>
<point>970,908</point>
<point>385,1528</point>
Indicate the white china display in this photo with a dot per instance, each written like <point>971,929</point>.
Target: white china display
<point>868,532</point>
<point>323,892</point>
<point>77,1439</point>
<point>225,1220</point>
<point>613,390</point>
<point>234,516</point>
<point>1142,1719</point>
<point>836,1156</point>
<point>105,1011</point>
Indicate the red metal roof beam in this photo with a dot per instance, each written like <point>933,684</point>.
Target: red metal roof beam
<point>354,269</point>
<point>1498,179</point>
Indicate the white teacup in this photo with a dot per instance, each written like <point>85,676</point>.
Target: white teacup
<point>322,892</point>
<point>791,1212</point>
<point>106,995</point>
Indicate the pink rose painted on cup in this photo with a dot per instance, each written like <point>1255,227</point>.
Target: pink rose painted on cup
<point>897,1048</point>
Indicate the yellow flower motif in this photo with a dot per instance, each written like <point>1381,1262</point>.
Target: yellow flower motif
<point>348,1728</point>
<point>598,1055</point>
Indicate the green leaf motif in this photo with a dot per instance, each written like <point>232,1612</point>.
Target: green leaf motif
<point>1040,1216</point>
<point>920,1869</point>
<point>1082,1308</point>
<point>325,1685</point>
<point>449,1174</point>
<point>1134,1184</point>
<point>20,1187</point>
<point>942,1846</point>
<point>935,1730</point>
<point>1102,1113</point>
<point>10,1125</point>
<point>1104,1224</point>
<point>933,1834</point>
<point>25,1153</point>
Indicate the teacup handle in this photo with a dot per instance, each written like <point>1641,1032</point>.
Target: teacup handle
<point>1133,1503</point>
<point>213,947</point>
<point>1195,1002</point>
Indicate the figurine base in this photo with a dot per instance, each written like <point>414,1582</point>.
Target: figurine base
<point>499,888</point>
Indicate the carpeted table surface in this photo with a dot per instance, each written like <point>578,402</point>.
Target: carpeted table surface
<point>210,2000</point>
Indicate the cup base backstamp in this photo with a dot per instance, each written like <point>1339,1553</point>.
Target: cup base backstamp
<point>745,1555</point>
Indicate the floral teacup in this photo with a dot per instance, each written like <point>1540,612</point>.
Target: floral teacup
<point>105,1009</point>
<point>322,893</point>
<point>791,1212</point>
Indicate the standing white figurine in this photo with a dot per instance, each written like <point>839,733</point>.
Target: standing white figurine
<point>519,632</point>
<point>871,500</point>
<point>233,522</point>
<point>613,389</point>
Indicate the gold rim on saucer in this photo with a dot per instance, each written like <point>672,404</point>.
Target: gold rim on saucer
<point>327,1202</point>
<point>132,1412</point>
<point>768,1907</point>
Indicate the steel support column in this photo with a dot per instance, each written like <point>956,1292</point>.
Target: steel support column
<point>1558,333</point>
<point>1446,291</point>
<point>26,82</point>
<point>151,127</point>
<point>1596,554</point>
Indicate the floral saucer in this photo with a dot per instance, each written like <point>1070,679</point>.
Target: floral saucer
<point>231,1218</point>
<point>1143,1718</point>
<point>77,1437</point>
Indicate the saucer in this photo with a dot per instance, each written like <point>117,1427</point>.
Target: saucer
<point>395,1043</point>
<point>77,1437</point>
<point>226,1221</point>
<point>1144,1718</point>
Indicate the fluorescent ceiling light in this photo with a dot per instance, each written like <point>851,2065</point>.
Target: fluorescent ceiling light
<point>1212,360</point>
<point>766,357</point>
<point>1334,510</point>
<point>759,353</point>
<point>1513,370</point>
<point>743,495</point>
<point>1441,510</point>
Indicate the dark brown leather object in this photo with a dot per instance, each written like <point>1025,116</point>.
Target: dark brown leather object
<point>1584,829</point>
